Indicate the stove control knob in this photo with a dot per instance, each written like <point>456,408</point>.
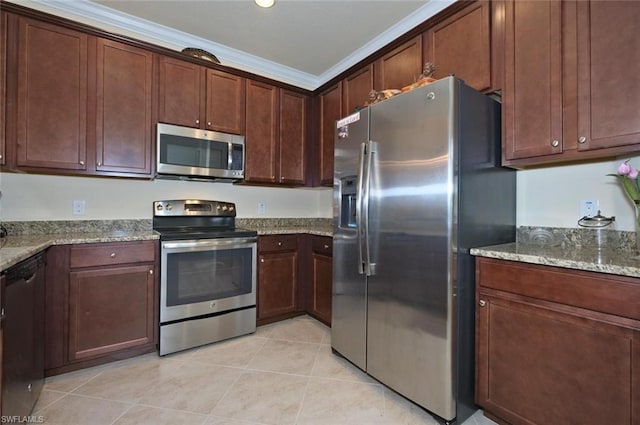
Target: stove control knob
<point>231,208</point>
<point>169,207</point>
<point>159,207</point>
<point>224,208</point>
<point>218,207</point>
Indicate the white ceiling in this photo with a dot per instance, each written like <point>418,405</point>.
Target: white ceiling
<point>301,42</point>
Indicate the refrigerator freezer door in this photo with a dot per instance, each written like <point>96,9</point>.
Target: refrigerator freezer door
<point>409,327</point>
<point>349,309</point>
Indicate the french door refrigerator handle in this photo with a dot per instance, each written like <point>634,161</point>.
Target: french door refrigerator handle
<point>369,267</point>
<point>359,193</point>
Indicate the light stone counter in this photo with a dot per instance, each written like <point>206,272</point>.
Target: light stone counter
<point>20,247</point>
<point>625,262</point>
<point>30,237</point>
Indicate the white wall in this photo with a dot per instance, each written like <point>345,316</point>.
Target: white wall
<point>38,197</point>
<point>547,196</point>
<point>550,196</point>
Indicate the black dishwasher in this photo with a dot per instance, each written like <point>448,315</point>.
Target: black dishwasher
<point>23,336</point>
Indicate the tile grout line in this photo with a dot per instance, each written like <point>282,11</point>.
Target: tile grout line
<point>306,387</point>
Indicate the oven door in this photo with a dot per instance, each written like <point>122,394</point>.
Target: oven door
<point>202,277</point>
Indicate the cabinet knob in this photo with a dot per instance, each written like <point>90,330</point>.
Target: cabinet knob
<point>0,156</point>
<point>582,139</point>
<point>197,121</point>
<point>209,123</point>
<point>262,260</point>
<point>281,177</point>
<point>555,143</point>
<point>326,246</point>
<point>99,164</point>
<point>112,255</point>
<point>279,243</point>
<point>150,271</point>
<point>482,303</point>
<point>81,162</point>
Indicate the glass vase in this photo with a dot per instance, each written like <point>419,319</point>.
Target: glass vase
<point>637,225</point>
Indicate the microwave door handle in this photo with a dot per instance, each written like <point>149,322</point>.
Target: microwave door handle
<point>229,156</point>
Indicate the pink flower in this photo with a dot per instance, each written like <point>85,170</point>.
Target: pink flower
<point>633,173</point>
<point>624,169</point>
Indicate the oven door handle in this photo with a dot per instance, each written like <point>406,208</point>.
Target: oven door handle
<point>208,243</point>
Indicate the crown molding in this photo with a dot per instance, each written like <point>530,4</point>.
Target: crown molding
<point>107,19</point>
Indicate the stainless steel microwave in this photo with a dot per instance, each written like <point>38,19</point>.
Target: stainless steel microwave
<point>190,153</point>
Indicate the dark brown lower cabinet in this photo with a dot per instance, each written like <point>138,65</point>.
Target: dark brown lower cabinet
<point>556,346</point>
<point>321,278</point>
<point>278,265</point>
<point>102,302</point>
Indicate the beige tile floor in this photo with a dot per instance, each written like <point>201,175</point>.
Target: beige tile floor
<point>285,373</point>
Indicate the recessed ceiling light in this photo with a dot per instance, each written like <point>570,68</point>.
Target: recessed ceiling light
<point>265,3</point>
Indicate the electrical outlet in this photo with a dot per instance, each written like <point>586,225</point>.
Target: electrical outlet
<point>589,207</point>
<point>262,208</point>
<point>78,207</point>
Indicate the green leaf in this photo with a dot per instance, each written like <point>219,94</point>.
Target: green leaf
<point>631,187</point>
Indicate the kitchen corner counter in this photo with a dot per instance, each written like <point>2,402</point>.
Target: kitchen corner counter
<point>621,262</point>
<point>282,226</point>
<point>20,247</point>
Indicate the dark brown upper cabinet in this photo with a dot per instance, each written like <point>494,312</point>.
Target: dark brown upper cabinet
<point>569,69</point>
<point>276,137</point>
<point>400,67</point>
<point>124,121</point>
<point>356,88</point>
<point>330,112</point>
<point>461,46</point>
<point>194,96</point>
<point>52,69</point>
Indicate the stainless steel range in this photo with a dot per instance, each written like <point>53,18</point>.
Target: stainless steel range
<point>207,273</point>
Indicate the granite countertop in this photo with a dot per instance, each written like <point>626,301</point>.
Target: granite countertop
<point>624,262</point>
<point>20,247</point>
<point>28,238</point>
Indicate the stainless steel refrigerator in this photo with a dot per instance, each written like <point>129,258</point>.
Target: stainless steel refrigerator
<point>417,183</point>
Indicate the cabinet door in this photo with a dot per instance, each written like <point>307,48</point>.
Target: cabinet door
<point>330,112</point>
<point>110,309</point>
<point>321,278</point>
<point>262,135</point>
<point>538,365</point>
<point>461,45</point>
<point>293,138</point>
<point>277,284</point>
<point>181,92</point>
<point>400,67</point>
<point>52,96</point>
<point>3,85</point>
<point>356,89</point>
<point>532,93</point>
<point>124,125</point>
<point>608,74</point>
<point>225,102</point>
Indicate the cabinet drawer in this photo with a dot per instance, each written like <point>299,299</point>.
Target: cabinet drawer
<point>105,254</point>
<point>322,245</point>
<point>277,243</point>
<point>618,295</point>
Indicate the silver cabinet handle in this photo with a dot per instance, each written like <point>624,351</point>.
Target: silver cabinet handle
<point>262,260</point>
<point>150,271</point>
<point>0,156</point>
<point>81,162</point>
<point>279,243</point>
<point>197,121</point>
<point>112,255</point>
<point>482,303</point>
<point>99,164</point>
<point>582,139</point>
<point>209,123</point>
<point>555,143</point>
<point>326,246</point>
